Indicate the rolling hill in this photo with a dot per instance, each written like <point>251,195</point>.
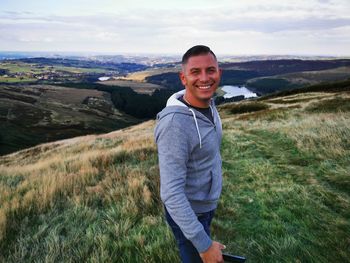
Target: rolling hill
<point>33,114</point>
<point>96,198</point>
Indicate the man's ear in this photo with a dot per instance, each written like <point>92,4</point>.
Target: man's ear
<point>182,78</point>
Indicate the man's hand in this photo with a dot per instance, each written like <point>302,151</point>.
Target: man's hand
<point>213,254</point>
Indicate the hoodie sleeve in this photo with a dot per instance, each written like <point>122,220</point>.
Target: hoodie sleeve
<point>173,153</point>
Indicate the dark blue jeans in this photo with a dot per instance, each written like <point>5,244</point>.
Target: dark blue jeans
<point>188,252</point>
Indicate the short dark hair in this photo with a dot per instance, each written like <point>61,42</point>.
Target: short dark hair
<point>196,51</point>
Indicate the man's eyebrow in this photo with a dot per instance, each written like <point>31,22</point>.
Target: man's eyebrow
<point>210,67</point>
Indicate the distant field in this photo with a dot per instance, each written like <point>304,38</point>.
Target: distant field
<point>79,70</point>
<point>141,75</point>
<point>17,66</point>
<point>286,192</point>
<point>13,79</point>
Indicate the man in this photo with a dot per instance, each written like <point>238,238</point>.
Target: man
<point>188,136</point>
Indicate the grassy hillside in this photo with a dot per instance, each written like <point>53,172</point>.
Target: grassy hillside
<point>33,114</point>
<point>265,85</point>
<point>284,66</point>
<point>285,198</point>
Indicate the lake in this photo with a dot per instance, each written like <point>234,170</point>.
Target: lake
<point>103,78</point>
<point>232,91</point>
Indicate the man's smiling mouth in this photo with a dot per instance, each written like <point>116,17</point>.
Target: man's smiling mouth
<point>204,87</point>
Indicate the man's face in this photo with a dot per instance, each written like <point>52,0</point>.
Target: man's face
<point>201,77</point>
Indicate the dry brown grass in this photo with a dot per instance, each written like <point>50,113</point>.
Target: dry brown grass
<point>78,169</point>
<point>323,134</point>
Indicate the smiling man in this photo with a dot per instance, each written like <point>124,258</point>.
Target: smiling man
<point>188,135</point>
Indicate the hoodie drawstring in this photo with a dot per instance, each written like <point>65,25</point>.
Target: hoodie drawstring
<point>212,111</point>
<point>195,120</point>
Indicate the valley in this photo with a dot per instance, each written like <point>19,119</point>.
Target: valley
<point>44,99</point>
<point>33,114</point>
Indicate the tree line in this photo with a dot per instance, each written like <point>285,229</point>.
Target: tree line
<point>125,99</point>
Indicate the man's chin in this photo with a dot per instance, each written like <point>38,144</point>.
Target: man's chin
<point>205,99</point>
<point>207,96</point>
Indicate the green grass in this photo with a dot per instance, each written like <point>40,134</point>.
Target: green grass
<point>285,197</point>
<point>270,212</point>
<point>91,234</point>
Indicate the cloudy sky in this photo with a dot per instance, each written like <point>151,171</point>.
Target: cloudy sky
<point>295,27</point>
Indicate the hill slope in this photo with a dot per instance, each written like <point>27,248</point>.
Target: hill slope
<point>285,198</point>
<point>33,114</point>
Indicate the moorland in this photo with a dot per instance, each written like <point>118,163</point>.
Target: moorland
<point>44,99</point>
<point>95,198</point>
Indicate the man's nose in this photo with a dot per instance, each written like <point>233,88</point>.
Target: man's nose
<point>203,76</point>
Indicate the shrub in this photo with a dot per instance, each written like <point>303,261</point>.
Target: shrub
<point>247,107</point>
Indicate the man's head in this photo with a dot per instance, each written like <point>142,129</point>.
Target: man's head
<point>200,75</point>
<point>196,51</point>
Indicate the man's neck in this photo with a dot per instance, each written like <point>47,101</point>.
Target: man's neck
<point>195,102</point>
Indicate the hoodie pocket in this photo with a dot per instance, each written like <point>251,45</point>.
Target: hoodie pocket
<point>216,186</point>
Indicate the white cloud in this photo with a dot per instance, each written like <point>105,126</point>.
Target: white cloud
<point>264,26</point>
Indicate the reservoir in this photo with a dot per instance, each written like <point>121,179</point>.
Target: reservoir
<point>232,91</point>
<point>103,78</point>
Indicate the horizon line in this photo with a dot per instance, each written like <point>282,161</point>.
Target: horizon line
<point>166,54</point>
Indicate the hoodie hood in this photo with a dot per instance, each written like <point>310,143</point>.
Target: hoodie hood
<point>174,105</point>
<point>173,100</point>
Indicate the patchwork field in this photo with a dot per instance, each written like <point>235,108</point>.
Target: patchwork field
<point>18,66</point>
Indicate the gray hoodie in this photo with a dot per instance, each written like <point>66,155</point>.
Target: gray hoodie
<point>190,166</point>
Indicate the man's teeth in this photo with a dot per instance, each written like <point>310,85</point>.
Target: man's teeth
<point>204,87</point>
